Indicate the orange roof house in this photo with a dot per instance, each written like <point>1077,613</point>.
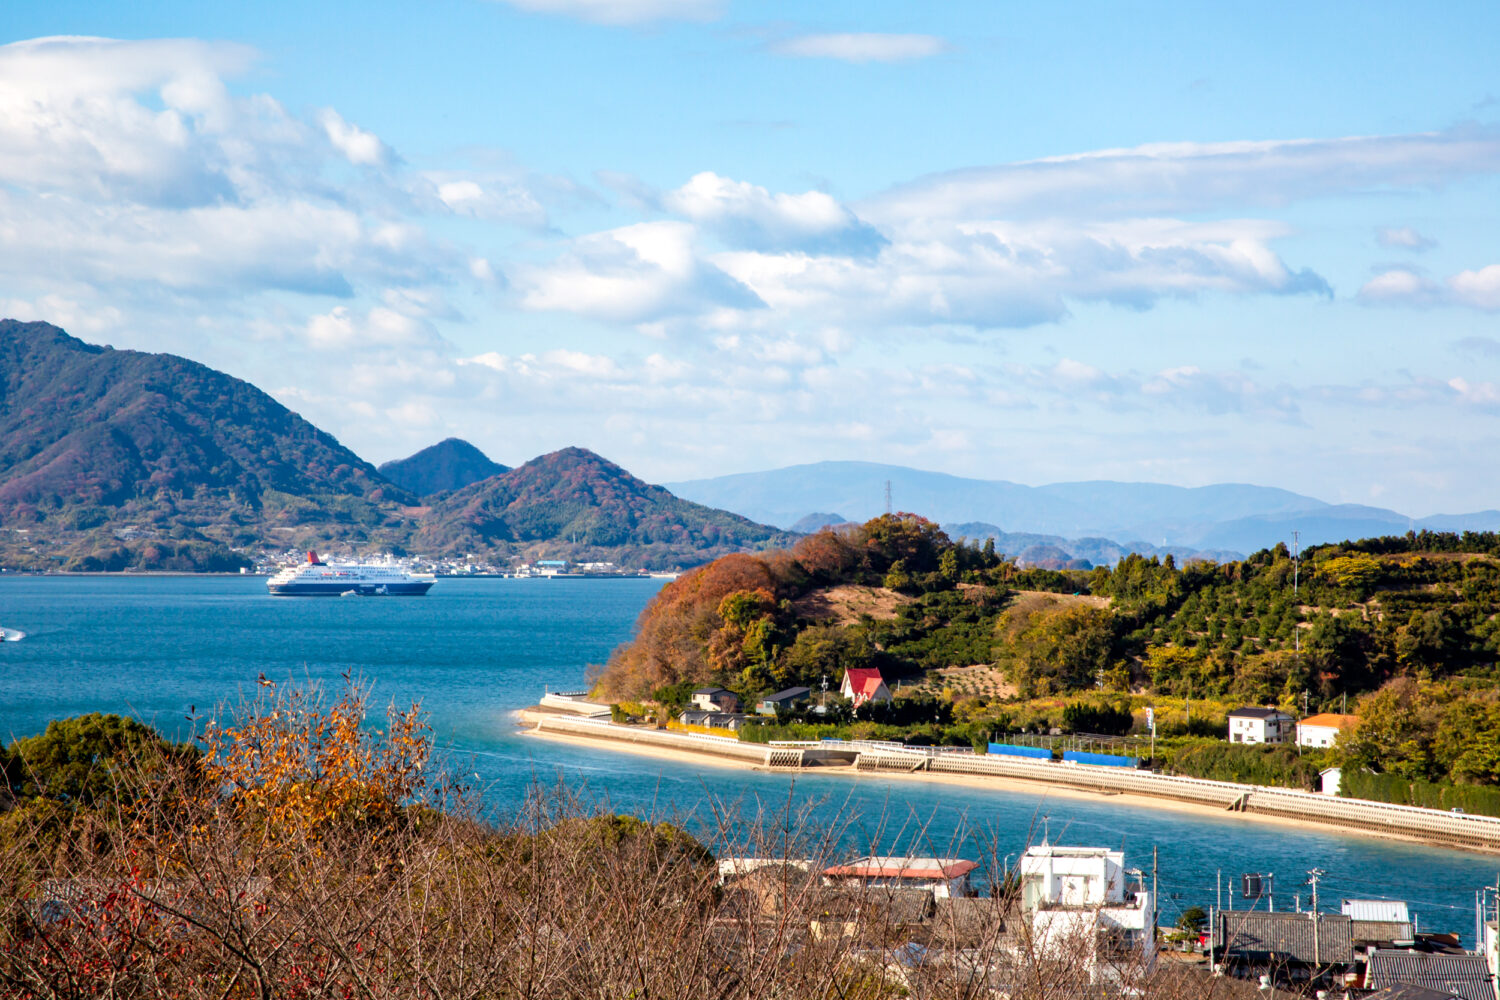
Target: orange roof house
<point>1323,730</point>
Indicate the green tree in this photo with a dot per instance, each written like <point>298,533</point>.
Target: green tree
<point>1062,650</point>
<point>75,760</point>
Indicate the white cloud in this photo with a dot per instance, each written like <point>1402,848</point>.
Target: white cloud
<point>359,147</point>
<point>1164,178</point>
<point>1403,238</point>
<point>133,178</point>
<point>619,12</point>
<point>1482,394</point>
<point>1479,289</point>
<point>492,195</point>
<point>634,274</point>
<point>861,47</point>
<point>1399,286</point>
<point>1012,275</point>
<point>382,326</point>
<point>71,123</point>
<point>750,216</point>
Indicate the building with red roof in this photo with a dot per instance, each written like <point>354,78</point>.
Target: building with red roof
<point>944,877</point>
<point>862,684</point>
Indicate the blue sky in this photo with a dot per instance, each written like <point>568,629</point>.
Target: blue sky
<point>1152,242</point>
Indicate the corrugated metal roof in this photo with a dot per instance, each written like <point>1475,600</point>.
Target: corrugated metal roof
<point>1286,937</point>
<point>1376,909</point>
<point>1467,976</point>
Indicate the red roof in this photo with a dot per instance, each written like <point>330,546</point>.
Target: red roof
<point>923,868</point>
<point>864,680</point>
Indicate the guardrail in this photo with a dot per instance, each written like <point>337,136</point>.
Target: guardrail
<point>1461,830</point>
<point>1464,830</point>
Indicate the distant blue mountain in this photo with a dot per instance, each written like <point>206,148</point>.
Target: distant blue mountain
<point>1221,519</point>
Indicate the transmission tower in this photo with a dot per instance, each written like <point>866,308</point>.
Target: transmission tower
<point>1296,559</point>
<point>887,496</point>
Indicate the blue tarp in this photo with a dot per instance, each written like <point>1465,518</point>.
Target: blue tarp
<point>1108,760</point>
<point>1011,750</point>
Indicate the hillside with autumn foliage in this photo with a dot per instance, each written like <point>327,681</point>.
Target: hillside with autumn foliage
<point>1403,632</point>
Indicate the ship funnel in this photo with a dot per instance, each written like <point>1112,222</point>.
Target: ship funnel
<point>313,560</point>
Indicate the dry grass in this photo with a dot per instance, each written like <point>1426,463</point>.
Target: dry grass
<point>184,887</point>
<point>847,603</point>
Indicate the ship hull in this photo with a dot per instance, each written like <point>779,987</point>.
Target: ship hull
<point>414,588</point>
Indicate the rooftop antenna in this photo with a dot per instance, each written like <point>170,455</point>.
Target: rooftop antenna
<point>887,496</point>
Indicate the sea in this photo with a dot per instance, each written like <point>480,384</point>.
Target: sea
<point>166,649</point>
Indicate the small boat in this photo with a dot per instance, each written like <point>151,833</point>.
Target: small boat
<point>11,635</point>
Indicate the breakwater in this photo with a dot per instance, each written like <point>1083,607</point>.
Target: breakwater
<point>1459,830</point>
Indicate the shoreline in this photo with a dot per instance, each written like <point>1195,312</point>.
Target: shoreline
<point>987,782</point>
<point>1013,785</point>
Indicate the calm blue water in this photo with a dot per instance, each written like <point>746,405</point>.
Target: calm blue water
<point>475,650</point>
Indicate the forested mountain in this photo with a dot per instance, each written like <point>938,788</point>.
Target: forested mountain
<point>444,467</point>
<point>576,504</point>
<point>113,460</point>
<point>1227,516</point>
<point>116,458</point>
<point>1405,630</point>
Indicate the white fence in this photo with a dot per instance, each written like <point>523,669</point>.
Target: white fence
<point>1461,830</point>
<point>1455,829</point>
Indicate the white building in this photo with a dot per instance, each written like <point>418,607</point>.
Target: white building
<point>1259,725</point>
<point>716,699</point>
<point>1323,730</point>
<point>1077,904</point>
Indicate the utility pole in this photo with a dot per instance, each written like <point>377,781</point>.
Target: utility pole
<point>1312,880</point>
<point>1155,906</point>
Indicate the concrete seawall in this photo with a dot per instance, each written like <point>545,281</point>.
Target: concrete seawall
<point>1458,830</point>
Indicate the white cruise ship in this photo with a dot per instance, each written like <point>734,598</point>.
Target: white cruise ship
<point>315,578</point>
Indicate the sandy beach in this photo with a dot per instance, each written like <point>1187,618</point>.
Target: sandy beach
<point>1041,790</point>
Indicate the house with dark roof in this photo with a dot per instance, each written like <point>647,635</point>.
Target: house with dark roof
<point>1405,991</point>
<point>712,720</point>
<point>1464,975</point>
<point>1291,946</point>
<point>716,699</point>
<point>862,684</point>
<point>1259,725</point>
<point>782,700</point>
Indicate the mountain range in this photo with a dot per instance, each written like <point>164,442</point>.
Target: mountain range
<point>113,460</point>
<point>1218,521</point>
